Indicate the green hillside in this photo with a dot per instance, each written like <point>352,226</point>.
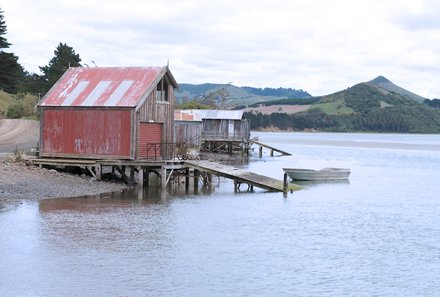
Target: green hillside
<point>366,106</point>
<point>230,96</point>
<point>5,101</point>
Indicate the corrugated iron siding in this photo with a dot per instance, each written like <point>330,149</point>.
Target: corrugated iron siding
<point>153,111</point>
<point>150,139</point>
<point>86,133</point>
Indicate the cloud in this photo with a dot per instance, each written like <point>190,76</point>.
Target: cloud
<point>319,46</point>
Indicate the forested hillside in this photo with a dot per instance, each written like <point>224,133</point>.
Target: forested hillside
<point>230,96</point>
<point>363,107</point>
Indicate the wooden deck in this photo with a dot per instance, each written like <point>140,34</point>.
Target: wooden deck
<point>272,149</point>
<point>166,169</point>
<point>240,176</point>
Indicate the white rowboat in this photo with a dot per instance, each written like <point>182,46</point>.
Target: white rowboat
<point>323,174</point>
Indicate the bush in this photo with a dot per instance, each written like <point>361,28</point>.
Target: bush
<point>15,111</point>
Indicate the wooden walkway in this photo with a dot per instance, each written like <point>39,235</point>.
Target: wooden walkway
<point>272,149</point>
<point>165,170</point>
<point>240,176</point>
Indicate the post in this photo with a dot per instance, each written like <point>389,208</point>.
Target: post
<point>186,180</point>
<point>98,170</point>
<point>285,183</point>
<point>261,151</point>
<point>140,176</point>
<point>163,177</point>
<point>271,153</point>
<point>147,177</point>
<point>131,183</point>
<point>196,179</point>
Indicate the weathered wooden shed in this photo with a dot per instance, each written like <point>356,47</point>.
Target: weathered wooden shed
<point>220,129</point>
<point>109,113</point>
<point>187,128</point>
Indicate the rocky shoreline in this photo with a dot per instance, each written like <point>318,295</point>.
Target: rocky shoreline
<point>20,182</point>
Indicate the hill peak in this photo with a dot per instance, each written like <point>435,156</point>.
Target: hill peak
<point>380,80</point>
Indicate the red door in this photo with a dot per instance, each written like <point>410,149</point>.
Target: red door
<point>150,140</point>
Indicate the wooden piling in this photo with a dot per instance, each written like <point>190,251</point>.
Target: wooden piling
<point>140,176</point>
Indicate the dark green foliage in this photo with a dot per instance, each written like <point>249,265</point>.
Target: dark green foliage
<point>278,92</point>
<point>11,71</point>
<point>313,119</point>
<point>404,119</point>
<point>292,101</point>
<point>64,58</point>
<point>193,105</point>
<point>435,103</point>
<point>363,97</point>
<point>15,111</point>
<point>3,29</point>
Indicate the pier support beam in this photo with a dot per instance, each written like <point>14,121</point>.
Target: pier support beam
<point>196,179</point>
<point>186,180</point>
<point>285,181</point>
<point>140,176</point>
<point>163,177</point>
<point>98,170</point>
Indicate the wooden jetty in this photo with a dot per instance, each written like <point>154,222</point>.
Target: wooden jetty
<point>239,176</point>
<point>272,149</point>
<point>200,170</point>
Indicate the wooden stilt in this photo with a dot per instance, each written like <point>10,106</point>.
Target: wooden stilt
<point>196,179</point>
<point>163,177</point>
<point>131,182</point>
<point>98,170</point>
<point>140,176</point>
<point>186,180</point>
<point>147,177</point>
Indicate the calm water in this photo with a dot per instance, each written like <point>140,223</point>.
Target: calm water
<point>376,235</point>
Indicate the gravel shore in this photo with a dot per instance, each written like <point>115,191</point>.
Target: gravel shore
<point>19,182</point>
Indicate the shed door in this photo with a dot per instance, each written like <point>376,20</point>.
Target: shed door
<point>231,128</point>
<point>150,140</point>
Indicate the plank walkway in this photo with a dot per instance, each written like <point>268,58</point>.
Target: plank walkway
<point>272,149</point>
<point>238,175</point>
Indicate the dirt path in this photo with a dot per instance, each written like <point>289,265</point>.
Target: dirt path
<point>23,134</point>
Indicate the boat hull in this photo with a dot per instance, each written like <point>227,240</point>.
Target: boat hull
<point>323,174</point>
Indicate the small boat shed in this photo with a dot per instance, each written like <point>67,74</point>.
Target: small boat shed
<point>218,130</point>
<point>109,113</point>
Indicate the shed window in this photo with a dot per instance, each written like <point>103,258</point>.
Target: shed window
<point>162,90</point>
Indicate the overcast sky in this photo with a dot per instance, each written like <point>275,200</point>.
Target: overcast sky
<point>320,46</point>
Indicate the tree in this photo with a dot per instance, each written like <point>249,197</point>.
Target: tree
<point>64,58</point>
<point>11,71</point>
<point>3,29</point>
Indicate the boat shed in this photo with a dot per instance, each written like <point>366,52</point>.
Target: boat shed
<point>220,129</point>
<point>109,113</point>
<point>187,128</point>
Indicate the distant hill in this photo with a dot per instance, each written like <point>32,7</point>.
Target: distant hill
<point>377,105</point>
<point>230,96</point>
<point>384,84</point>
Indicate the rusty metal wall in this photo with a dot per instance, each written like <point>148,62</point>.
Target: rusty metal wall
<point>150,140</point>
<point>86,133</point>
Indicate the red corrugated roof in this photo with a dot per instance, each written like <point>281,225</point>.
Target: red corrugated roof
<point>103,86</point>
